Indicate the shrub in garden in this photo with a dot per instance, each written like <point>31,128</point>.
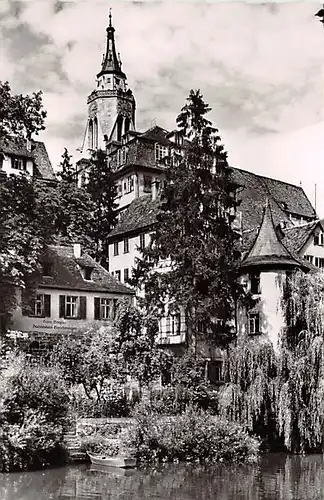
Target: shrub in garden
<point>192,436</point>
<point>33,409</point>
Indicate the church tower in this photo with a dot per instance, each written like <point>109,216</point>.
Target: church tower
<point>111,106</point>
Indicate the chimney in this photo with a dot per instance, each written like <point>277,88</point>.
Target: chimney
<point>28,145</point>
<point>77,250</point>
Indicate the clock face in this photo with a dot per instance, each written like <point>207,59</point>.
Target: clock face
<point>124,108</point>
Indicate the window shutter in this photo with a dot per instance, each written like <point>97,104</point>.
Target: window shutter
<point>96,308</point>
<point>47,306</point>
<point>62,306</point>
<point>83,307</point>
<point>25,306</point>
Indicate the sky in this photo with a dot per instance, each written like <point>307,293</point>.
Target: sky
<point>260,66</point>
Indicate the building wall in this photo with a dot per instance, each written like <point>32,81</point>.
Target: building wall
<point>269,307</point>
<point>124,260</point>
<point>55,324</point>
<point>314,253</point>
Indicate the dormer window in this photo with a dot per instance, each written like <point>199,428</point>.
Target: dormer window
<point>88,273</point>
<point>47,269</point>
<point>19,163</point>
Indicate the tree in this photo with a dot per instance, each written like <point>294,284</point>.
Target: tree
<point>102,190</point>
<point>24,223</point>
<point>72,223</point>
<point>193,232</point>
<point>279,395</point>
<point>137,354</point>
<point>27,218</point>
<point>20,116</point>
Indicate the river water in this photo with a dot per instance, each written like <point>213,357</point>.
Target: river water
<point>275,477</point>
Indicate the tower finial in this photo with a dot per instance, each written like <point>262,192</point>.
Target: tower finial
<point>110,17</point>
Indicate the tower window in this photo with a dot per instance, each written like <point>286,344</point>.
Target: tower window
<point>95,134</point>
<point>255,283</point>
<point>119,128</point>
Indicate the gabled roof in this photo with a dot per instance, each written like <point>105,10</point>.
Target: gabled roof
<point>267,249</point>
<point>157,134</point>
<point>141,214</point>
<point>37,153</point>
<point>42,162</point>
<point>66,273</point>
<point>288,197</point>
<point>296,237</point>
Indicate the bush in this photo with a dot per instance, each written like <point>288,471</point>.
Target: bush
<point>100,444</point>
<point>174,400</point>
<point>114,402</point>
<point>34,407</point>
<point>193,436</point>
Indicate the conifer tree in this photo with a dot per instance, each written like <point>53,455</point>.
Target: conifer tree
<point>72,222</point>
<point>102,190</point>
<point>194,234</point>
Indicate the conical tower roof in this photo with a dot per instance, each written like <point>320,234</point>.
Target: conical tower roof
<point>111,62</point>
<point>267,249</point>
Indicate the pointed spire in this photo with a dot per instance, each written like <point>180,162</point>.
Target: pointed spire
<point>267,249</point>
<point>111,63</point>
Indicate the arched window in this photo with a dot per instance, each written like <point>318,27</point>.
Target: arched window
<point>95,134</point>
<point>90,134</point>
<point>127,124</point>
<point>120,120</point>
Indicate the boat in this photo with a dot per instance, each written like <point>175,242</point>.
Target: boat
<point>119,461</point>
<point>115,471</point>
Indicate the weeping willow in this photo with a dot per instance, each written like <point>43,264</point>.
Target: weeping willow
<point>280,394</point>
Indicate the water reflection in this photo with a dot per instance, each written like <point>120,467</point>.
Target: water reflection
<point>276,477</point>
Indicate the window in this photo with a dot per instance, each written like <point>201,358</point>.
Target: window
<point>73,307</point>
<point>126,275</point>
<point>126,245</point>
<point>104,308</point>
<point>173,324</point>
<point>88,273</point>
<point>118,158</point>
<point>19,163</point>
<point>319,239</point>
<point>254,323</point>
<point>119,189</point>
<point>147,184</point>
<point>1,161</point>
<point>116,248</point>
<point>214,371</point>
<point>255,283</point>
<point>142,241</point>
<point>42,306</point>
<point>118,275</point>
<point>160,152</point>
<point>47,269</point>
<point>130,184</point>
<point>124,155</point>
